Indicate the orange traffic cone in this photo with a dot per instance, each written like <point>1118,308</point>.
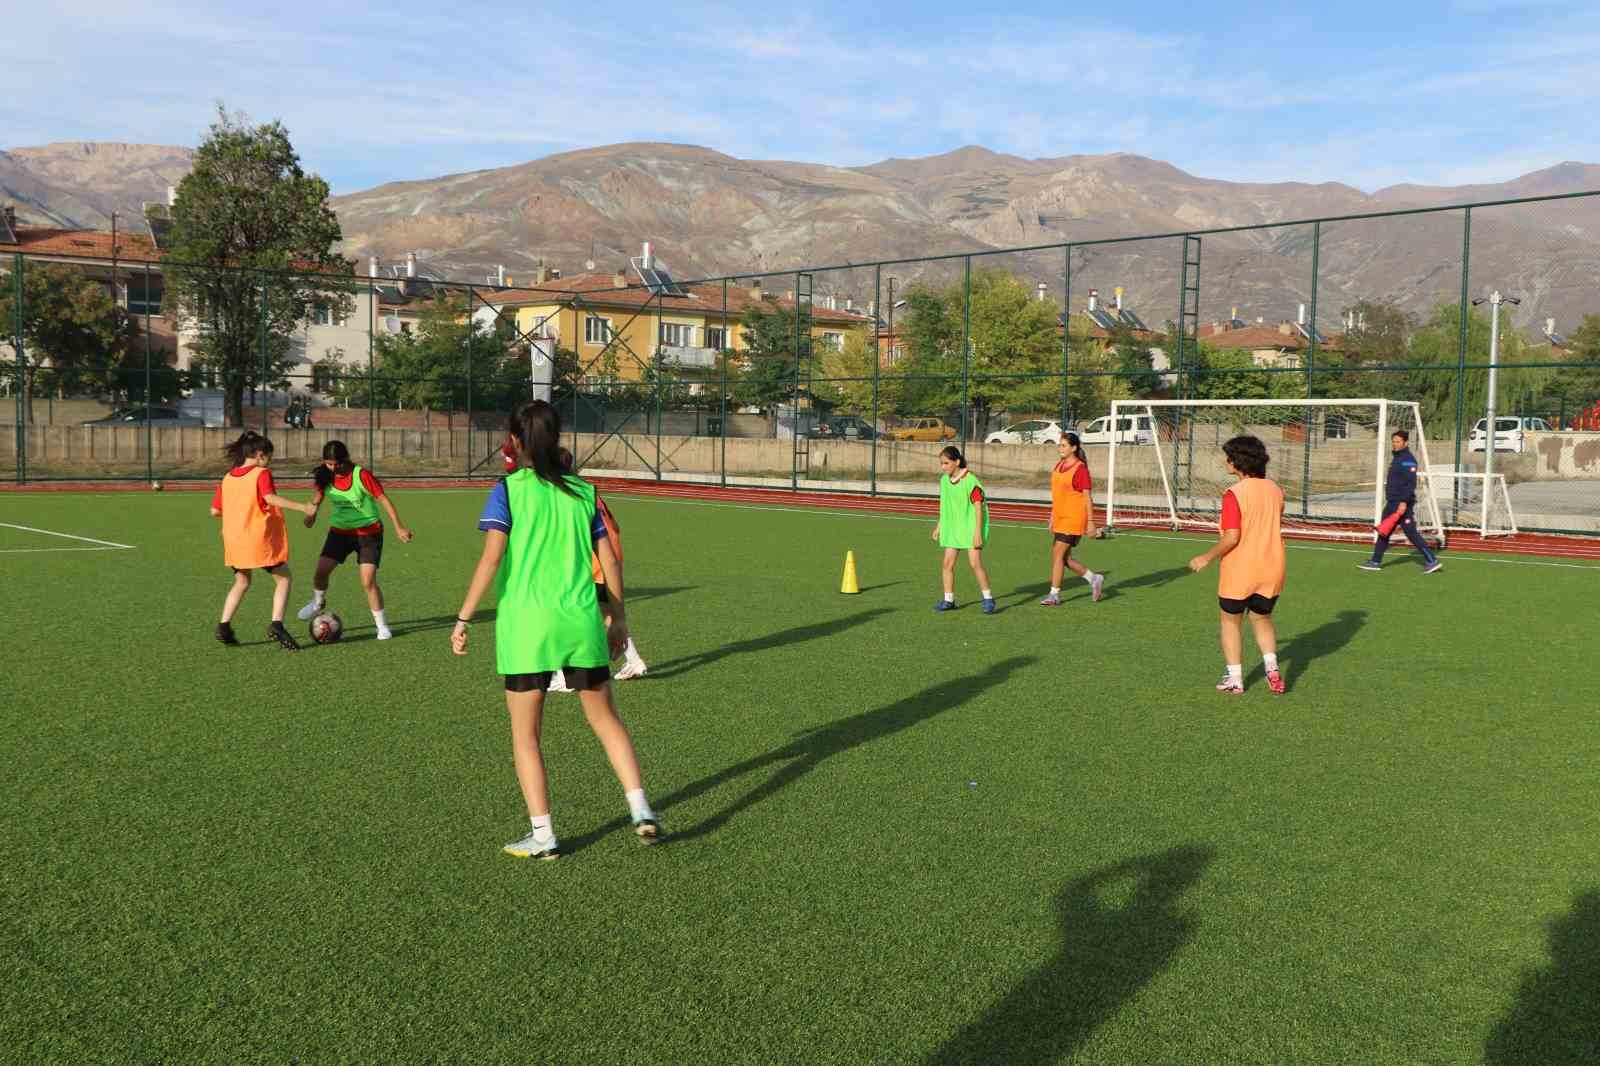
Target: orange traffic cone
<point>848,585</point>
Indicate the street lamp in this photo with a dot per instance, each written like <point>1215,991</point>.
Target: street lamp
<point>1494,299</point>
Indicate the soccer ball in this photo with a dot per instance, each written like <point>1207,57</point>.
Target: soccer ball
<point>155,486</point>
<point>327,628</point>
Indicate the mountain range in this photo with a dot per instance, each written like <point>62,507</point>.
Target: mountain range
<point>708,214</point>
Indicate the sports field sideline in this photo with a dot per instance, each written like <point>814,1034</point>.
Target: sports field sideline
<point>893,836</point>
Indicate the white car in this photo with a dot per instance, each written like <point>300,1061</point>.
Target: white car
<point>1508,433</point>
<point>1035,432</point>
<point>1131,429</point>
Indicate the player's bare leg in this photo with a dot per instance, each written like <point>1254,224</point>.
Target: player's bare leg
<point>1266,635</point>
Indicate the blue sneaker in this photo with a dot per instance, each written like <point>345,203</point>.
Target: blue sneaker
<point>988,607</point>
<point>1368,565</point>
<point>945,605</point>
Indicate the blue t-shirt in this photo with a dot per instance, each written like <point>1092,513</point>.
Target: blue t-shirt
<point>497,513</point>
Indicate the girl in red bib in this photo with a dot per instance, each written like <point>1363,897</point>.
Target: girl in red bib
<point>354,528</point>
<point>1071,519</point>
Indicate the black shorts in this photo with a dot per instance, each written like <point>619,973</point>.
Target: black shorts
<point>577,677</point>
<point>1069,539</point>
<point>1257,604</point>
<point>368,549</point>
<point>273,569</point>
<point>600,594</point>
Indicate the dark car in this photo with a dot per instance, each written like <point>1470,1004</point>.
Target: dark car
<point>843,427</point>
<point>138,416</point>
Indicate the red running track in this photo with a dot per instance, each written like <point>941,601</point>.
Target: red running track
<point>1540,544</point>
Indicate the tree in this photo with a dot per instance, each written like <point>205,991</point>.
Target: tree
<point>68,322</point>
<point>767,330</point>
<point>251,253</point>
<point>1134,362</point>
<point>845,375</point>
<point>1577,388</point>
<point>1229,374</point>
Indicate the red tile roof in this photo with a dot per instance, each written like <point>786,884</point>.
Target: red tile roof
<point>599,290</point>
<point>91,244</point>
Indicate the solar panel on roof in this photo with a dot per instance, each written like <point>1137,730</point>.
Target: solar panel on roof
<point>657,280</point>
<point>1131,317</point>
<point>7,234</point>
<point>1237,323</point>
<point>1308,332</point>
<point>1103,320</point>
<point>1557,339</point>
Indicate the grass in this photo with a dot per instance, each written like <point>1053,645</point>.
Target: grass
<point>896,836</point>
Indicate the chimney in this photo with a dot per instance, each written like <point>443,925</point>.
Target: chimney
<point>649,259</point>
<point>1302,319</point>
<point>411,264</point>
<point>11,217</point>
<point>755,288</point>
<point>372,266</point>
<point>500,275</point>
<point>1118,292</point>
<point>1549,326</point>
<point>1261,320</point>
<point>1285,328</point>
<point>1094,298</point>
<point>172,195</point>
<point>619,280</point>
<point>1233,314</point>
<point>543,274</point>
<point>850,304</point>
<point>1039,293</point>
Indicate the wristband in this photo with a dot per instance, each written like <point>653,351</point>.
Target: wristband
<point>463,622</point>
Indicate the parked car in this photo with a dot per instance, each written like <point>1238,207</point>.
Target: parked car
<point>843,427</point>
<point>1035,432</point>
<point>1131,429</point>
<point>924,429</point>
<point>1508,433</point>
<point>138,416</point>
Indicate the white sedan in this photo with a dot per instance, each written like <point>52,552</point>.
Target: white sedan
<point>1035,432</point>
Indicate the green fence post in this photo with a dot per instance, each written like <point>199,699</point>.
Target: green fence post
<point>23,385</point>
<point>966,339</point>
<point>722,393</point>
<point>149,429</point>
<point>877,370</point>
<point>468,343</point>
<point>372,326</point>
<point>264,394</point>
<point>1311,359</point>
<point>660,375</point>
<point>1461,359</point>
<point>1066,336</point>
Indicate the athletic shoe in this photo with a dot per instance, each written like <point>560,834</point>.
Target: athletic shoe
<point>310,611</point>
<point>1050,600</point>
<point>1230,686</point>
<point>1369,565</point>
<point>632,668</point>
<point>225,634</point>
<point>529,847</point>
<point>945,605</point>
<point>1275,682</point>
<point>1097,586</point>
<point>385,633</point>
<point>276,632</point>
<point>988,607</point>
<point>558,682</point>
<point>1433,567</point>
<point>648,828</point>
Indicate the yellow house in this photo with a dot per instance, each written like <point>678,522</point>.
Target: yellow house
<point>619,327</point>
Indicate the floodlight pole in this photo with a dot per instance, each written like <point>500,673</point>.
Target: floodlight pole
<point>1495,300</point>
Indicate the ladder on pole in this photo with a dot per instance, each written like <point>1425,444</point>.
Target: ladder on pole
<point>802,376</point>
<point>1188,354</point>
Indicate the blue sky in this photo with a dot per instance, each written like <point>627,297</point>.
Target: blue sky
<point>1448,92</point>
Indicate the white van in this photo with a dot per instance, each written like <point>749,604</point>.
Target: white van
<point>1508,433</point>
<point>1131,429</point>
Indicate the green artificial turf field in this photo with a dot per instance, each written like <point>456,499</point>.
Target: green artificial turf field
<point>894,836</point>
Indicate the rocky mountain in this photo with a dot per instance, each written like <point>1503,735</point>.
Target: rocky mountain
<point>708,213</point>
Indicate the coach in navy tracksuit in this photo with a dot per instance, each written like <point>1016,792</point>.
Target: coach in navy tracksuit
<point>1400,494</point>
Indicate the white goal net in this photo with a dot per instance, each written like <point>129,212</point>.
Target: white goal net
<point>1165,466</point>
<point>1476,502</point>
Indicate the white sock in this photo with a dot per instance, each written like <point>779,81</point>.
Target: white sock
<point>630,652</point>
<point>988,595</point>
<point>949,597</point>
<point>1055,590</point>
<point>542,829</point>
<point>319,596</point>
<point>1236,672</point>
<point>638,806</point>
<point>380,618</point>
<point>1088,576</point>
<point>1269,660</point>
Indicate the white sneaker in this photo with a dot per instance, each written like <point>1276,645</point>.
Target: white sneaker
<point>385,633</point>
<point>558,682</point>
<point>1097,587</point>
<point>309,611</point>
<point>632,668</point>
<point>531,847</point>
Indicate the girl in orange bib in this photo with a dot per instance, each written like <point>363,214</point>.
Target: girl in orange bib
<point>1071,519</point>
<point>253,534</point>
<point>1250,578</point>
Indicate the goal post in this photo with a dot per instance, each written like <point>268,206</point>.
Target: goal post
<point>1481,502</point>
<point>1165,466</point>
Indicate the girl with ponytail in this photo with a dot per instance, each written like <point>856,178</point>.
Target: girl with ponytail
<point>963,526</point>
<point>253,533</point>
<point>541,526</point>
<point>1071,518</point>
<point>355,527</point>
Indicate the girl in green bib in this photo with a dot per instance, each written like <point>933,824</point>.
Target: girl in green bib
<point>541,527</point>
<point>354,527</point>
<point>963,526</point>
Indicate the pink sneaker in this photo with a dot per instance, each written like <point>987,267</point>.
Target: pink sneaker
<point>1230,686</point>
<point>1050,600</point>
<point>1275,682</point>
<point>1098,586</point>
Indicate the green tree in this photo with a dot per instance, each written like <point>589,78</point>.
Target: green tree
<point>845,374</point>
<point>767,330</point>
<point>69,323</point>
<point>1134,362</point>
<point>1229,374</point>
<point>1577,388</point>
<point>1437,341</point>
<point>251,253</point>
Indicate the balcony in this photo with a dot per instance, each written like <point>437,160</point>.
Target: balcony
<point>674,355</point>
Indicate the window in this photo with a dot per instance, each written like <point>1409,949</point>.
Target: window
<point>323,377</point>
<point>677,335</point>
<point>596,330</point>
<point>833,340</point>
<point>142,301</point>
<point>716,337</point>
<point>1336,427</point>
<point>324,315</point>
<point>405,327</point>
<point>896,353</point>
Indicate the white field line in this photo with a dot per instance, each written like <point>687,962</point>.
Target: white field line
<point>68,536</point>
<point>24,551</point>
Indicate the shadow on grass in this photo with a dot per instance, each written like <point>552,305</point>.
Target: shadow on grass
<point>683,664</point>
<point>811,748</point>
<point>1298,653</point>
<point>1555,1020</point>
<point>1121,926</point>
<point>1154,579</point>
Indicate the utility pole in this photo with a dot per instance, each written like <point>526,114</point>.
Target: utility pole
<point>1495,300</point>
